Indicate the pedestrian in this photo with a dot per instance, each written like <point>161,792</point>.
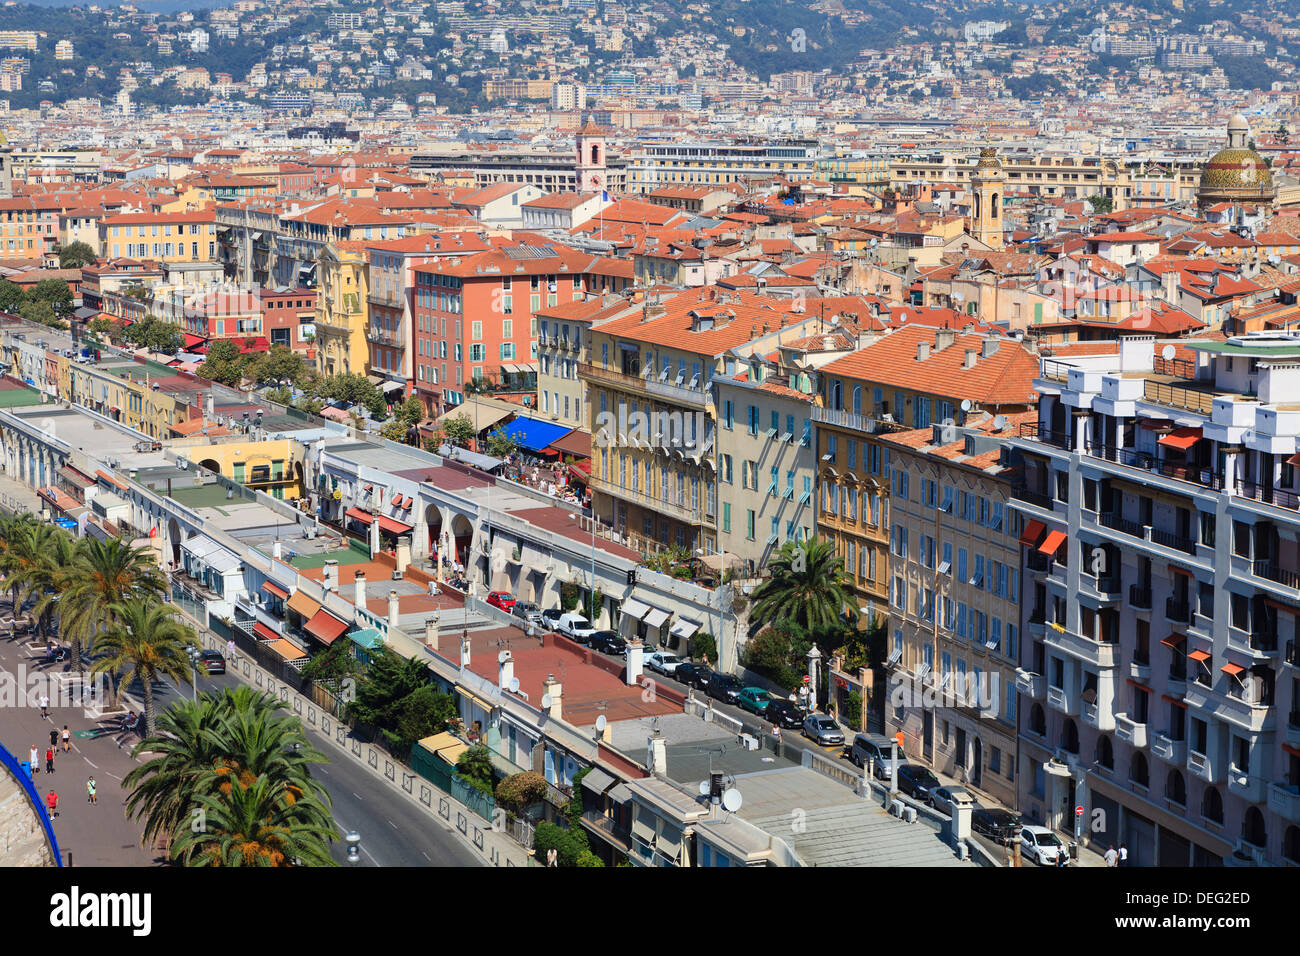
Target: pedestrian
<point>90,791</point>
<point>552,855</point>
<point>49,760</point>
<point>52,801</point>
<point>45,707</point>
<point>54,736</point>
<point>34,760</point>
<point>67,739</point>
<point>1123,856</point>
<point>1112,858</point>
<point>1062,858</point>
<point>230,649</point>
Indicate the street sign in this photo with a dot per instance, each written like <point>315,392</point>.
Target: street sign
<point>1078,811</point>
<point>807,679</point>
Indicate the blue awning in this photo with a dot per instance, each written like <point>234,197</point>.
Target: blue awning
<point>533,434</point>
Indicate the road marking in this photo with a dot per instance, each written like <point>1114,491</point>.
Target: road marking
<point>87,759</point>
<point>391,823</point>
<point>357,795</point>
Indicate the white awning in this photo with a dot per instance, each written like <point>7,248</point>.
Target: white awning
<point>222,561</point>
<point>200,546</point>
<point>684,628</point>
<point>656,618</point>
<point>635,609</point>
<point>392,386</point>
<point>597,780</point>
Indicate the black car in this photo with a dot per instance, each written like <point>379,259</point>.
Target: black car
<point>917,782</point>
<point>213,662</point>
<point>784,713</point>
<point>995,823</point>
<point>693,675</point>
<point>725,687</point>
<point>607,642</point>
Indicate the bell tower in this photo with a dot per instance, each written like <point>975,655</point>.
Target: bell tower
<point>987,186</point>
<point>590,169</point>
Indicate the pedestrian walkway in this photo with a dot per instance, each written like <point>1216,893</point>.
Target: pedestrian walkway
<point>16,497</point>
<point>99,835</point>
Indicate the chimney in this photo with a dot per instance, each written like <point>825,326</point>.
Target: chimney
<point>943,338</point>
<point>331,575</point>
<point>657,754</point>
<point>359,590</point>
<point>505,669</point>
<point>403,554</point>
<point>922,351</point>
<point>374,537</point>
<point>464,650</point>
<point>969,361</point>
<point>392,609</point>
<point>635,652</point>
<point>431,633</point>
<point>828,343</point>
<point>277,552</point>
<point>988,346</point>
<point>552,689</point>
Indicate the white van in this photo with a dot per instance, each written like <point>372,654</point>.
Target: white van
<point>576,626</point>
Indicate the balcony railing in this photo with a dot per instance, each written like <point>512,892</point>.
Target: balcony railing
<point>1176,541</point>
<point>391,337</point>
<point>668,506</point>
<point>1116,523</point>
<point>1269,570</point>
<point>1178,396</point>
<point>701,396</point>
<point>1033,497</point>
<point>1139,597</point>
<point>1047,436</point>
<point>1196,474</point>
<point>1282,497</point>
<point>843,418</point>
<point>1180,612</point>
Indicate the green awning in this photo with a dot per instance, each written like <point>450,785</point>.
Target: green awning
<point>368,637</point>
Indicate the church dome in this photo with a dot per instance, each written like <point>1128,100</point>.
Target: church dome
<point>988,159</point>
<point>1236,174</point>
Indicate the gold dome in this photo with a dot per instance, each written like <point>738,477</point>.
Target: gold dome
<point>1236,174</point>
<point>988,159</point>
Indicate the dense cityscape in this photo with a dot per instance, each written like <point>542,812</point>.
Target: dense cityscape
<point>663,434</point>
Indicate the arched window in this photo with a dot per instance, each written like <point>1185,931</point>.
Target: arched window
<point>977,207</point>
<point>1252,828</point>
<point>595,154</point>
<point>857,399</point>
<point>1037,720</point>
<point>995,206</point>
<point>1212,805</point>
<point>1176,787</point>
<point>1070,737</point>
<point>1105,752</point>
<point>837,394</point>
<point>1137,770</point>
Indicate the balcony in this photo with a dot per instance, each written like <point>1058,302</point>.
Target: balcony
<point>1046,502</point>
<point>1271,572</point>
<point>1292,657</point>
<point>1035,432</point>
<point>1282,497</point>
<point>1179,612</point>
<point>665,506</point>
<point>1139,670</point>
<point>1060,699</point>
<point>1177,542</point>
<point>1199,765</point>
<point>1145,461</point>
<point>1250,787</point>
<point>1097,653</point>
<point>1253,716</point>
<point>1119,523</point>
<point>1167,748</point>
<point>1030,684</point>
<point>1095,716</point>
<point>1284,800</point>
<point>1179,396</point>
<point>1130,731</point>
<point>668,389</point>
<point>391,298</point>
<point>852,421</point>
<point>394,338</point>
<point>1139,597</point>
<point>607,828</point>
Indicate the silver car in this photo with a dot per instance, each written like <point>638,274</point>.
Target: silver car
<point>822,729</point>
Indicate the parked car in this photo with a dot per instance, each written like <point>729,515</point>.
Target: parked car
<point>947,799</point>
<point>724,687</point>
<point>1040,844</point>
<point>755,700</point>
<point>501,599</point>
<point>575,626</point>
<point>784,713</point>
<point>607,642</point>
<point>528,612</point>
<point>693,675</point>
<point>663,662</point>
<point>822,730</point>
<point>917,782</point>
<point>212,662</point>
<point>995,823</point>
<point>551,617</point>
<point>874,749</point>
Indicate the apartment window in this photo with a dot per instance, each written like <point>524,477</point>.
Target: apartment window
<point>749,524</point>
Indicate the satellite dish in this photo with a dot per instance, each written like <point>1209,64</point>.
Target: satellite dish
<point>1000,423</point>
<point>600,723</point>
<point>704,788</point>
<point>965,405</point>
<point>1167,352</point>
<point>514,685</point>
<point>731,800</point>
<point>546,700</point>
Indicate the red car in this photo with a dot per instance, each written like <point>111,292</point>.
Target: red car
<point>501,599</point>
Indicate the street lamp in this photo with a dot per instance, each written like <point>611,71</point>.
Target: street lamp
<point>194,670</point>
<point>353,840</point>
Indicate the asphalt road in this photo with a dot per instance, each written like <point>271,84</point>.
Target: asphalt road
<point>393,831</point>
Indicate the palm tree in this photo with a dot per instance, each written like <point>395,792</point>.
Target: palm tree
<point>257,824</point>
<point>37,562</point>
<point>106,573</point>
<point>146,642</point>
<point>257,743</point>
<point>808,586</point>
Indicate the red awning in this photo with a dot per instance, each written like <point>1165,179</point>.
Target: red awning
<point>1175,701</point>
<point>270,587</point>
<point>1293,751</point>
<point>1232,670</point>
<point>1199,656</point>
<point>1033,531</point>
<point>248,346</point>
<point>1183,571</point>
<point>1294,459</point>
<point>393,526</point>
<point>1052,543</point>
<point>1180,438</point>
<point>359,514</point>
<point>325,627</point>
<point>264,632</point>
<point>191,340</point>
<point>1174,640</point>
<point>1133,683</point>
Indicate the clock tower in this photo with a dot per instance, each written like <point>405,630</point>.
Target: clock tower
<point>590,168</point>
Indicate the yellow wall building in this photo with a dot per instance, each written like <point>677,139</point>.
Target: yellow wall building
<point>342,309</point>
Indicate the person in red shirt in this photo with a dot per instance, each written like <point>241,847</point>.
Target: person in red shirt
<point>49,760</point>
<point>52,801</point>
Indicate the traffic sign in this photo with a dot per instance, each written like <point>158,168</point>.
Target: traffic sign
<point>1078,811</point>
<point>807,679</point>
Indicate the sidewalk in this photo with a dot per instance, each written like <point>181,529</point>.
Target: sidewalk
<point>16,497</point>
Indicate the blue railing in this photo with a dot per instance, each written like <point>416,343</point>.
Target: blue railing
<point>11,764</point>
